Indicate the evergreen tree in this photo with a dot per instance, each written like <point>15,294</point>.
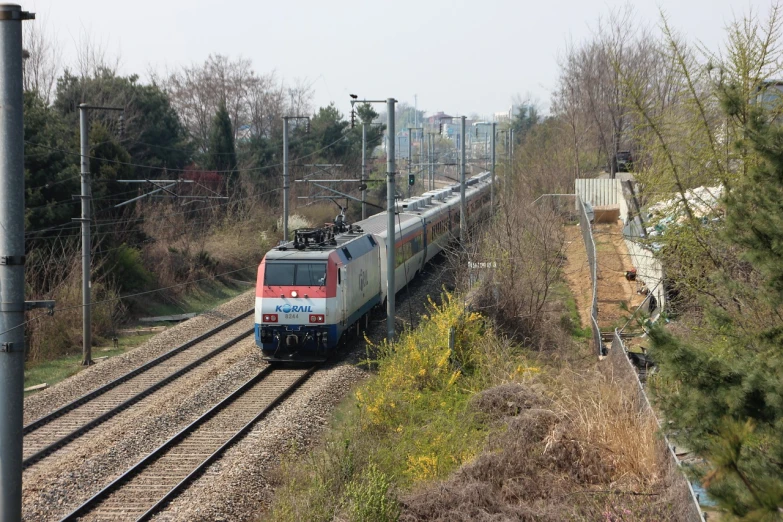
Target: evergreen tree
<point>221,155</point>
<point>524,120</point>
<point>722,389</point>
<point>153,133</point>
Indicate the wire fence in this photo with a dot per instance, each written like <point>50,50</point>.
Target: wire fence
<point>587,237</point>
<point>686,499</point>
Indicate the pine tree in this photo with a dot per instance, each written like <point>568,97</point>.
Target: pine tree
<point>221,155</point>
<point>722,390</point>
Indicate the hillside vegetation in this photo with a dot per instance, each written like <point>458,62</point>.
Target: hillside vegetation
<point>489,430</point>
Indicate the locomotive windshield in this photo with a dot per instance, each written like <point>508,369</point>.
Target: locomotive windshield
<point>295,274</point>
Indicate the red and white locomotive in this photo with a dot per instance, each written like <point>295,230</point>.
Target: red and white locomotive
<point>311,290</point>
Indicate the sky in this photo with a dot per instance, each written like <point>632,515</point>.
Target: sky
<point>460,57</point>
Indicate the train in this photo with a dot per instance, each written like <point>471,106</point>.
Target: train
<point>310,291</point>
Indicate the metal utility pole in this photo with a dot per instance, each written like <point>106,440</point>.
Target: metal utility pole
<point>410,157</point>
<point>508,145</point>
<point>12,305</point>
<point>285,178</point>
<point>286,184</point>
<point>390,211</point>
<point>492,188</point>
<point>463,205</point>
<point>431,155</point>
<point>86,199</point>
<point>84,137</point>
<point>364,171</point>
<point>511,149</point>
<point>486,149</point>
<point>429,161</point>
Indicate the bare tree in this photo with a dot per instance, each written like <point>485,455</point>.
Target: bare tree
<point>42,59</point>
<point>254,102</point>
<point>93,57</point>
<point>592,95</point>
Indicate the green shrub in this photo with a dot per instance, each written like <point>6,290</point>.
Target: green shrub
<point>127,267</point>
<point>369,497</point>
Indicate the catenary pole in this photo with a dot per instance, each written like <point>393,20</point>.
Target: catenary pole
<point>364,171</point>
<point>12,257</point>
<point>492,187</point>
<point>463,205</point>
<point>285,178</point>
<point>429,161</point>
<point>410,157</point>
<point>511,149</point>
<point>434,165</point>
<point>390,211</point>
<point>84,141</point>
<point>86,200</point>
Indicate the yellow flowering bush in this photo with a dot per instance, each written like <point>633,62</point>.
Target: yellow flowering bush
<point>419,395</point>
<point>421,361</point>
<point>410,422</point>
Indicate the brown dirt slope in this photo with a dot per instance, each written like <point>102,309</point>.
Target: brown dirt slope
<point>613,261</point>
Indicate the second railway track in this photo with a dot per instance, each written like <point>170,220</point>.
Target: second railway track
<point>55,430</point>
<point>146,487</point>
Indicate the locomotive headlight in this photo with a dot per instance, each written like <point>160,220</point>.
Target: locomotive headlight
<point>294,293</point>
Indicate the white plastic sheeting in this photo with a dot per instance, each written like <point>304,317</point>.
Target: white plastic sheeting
<point>602,193</point>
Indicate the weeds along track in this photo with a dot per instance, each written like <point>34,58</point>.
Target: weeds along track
<point>146,487</point>
<point>57,429</point>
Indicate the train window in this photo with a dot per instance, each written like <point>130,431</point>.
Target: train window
<point>295,274</point>
<point>372,240</point>
<point>347,253</point>
<point>310,274</point>
<point>339,276</point>
<point>279,274</point>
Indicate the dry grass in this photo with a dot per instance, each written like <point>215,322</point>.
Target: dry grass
<point>605,413</point>
<point>572,447</point>
<point>49,337</point>
<point>317,215</point>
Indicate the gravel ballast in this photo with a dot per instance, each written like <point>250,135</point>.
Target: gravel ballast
<point>48,400</point>
<point>236,486</point>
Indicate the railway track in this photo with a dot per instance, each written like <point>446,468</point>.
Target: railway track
<point>55,430</point>
<point>146,487</point>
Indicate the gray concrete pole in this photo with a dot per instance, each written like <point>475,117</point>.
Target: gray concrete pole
<point>285,179</point>
<point>364,171</point>
<point>410,157</point>
<point>508,145</point>
<point>84,138</point>
<point>434,165</point>
<point>486,151</point>
<point>512,146</point>
<point>429,161</point>
<point>463,204</point>
<point>12,256</point>
<point>492,188</point>
<point>390,211</point>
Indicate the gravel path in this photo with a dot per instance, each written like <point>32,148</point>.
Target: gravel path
<point>235,487</point>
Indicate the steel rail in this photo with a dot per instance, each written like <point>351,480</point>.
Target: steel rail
<point>62,441</point>
<point>46,419</point>
<point>173,441</point>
